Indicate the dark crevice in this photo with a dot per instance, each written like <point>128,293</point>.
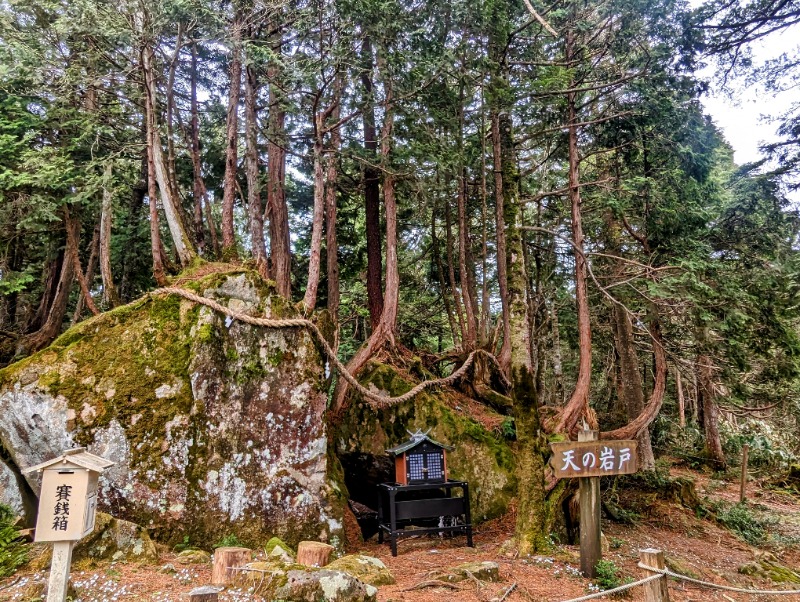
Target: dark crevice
<point>30,501</point>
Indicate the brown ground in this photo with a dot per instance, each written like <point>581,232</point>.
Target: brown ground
<point>699,545</point>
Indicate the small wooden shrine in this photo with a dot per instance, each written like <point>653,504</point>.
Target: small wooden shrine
<point>422,496</point>
<point>420,460</point>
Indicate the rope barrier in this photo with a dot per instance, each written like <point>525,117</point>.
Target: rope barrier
<point>727,588</point>
<point>616,590</point>
<point>378,400</point>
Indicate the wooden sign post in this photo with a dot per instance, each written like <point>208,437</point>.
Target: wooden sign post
<point>588,459</point>
<point>67,508</point>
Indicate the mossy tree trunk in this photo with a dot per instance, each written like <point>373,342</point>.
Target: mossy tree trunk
<point>515,356</point>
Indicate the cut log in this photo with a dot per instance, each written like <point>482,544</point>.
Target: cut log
<point>227,559</point>
<point>314,553</point>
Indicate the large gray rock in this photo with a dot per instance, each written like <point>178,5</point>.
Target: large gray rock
<point>324,586</point>
<point>216,426</point>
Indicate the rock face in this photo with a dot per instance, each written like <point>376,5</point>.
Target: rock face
<point>481,457</point>
<point>115,539</point>
<point>216,427</point>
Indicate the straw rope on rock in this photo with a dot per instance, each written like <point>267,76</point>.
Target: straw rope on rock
<point>375,398</point>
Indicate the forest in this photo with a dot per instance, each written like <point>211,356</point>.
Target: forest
<point>530,187</point>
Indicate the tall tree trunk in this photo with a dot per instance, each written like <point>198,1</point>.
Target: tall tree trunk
<point>504,357</point>
<point>515,354</point>
<point>51,327</point>
<point>110,295</point>
<point>52,270</point>
<point>86,294</point>
<point>256,214</point>
<point>464,263</point>
<point>371,190</point>
<point>451,272</point>
<point>94,252</point>
<point>315,252</point>
<point>710,409</point>
<point>578,404</point>
<point>199,187</point>
<point>385,330</point>
<point>172,209</point>
<point>159,274</point>
<point>681,398</point>
<point>630,386</point>
<point>442,284</point>
<point>229,251</point>
<point>331,244</point>
<point>276,191</point>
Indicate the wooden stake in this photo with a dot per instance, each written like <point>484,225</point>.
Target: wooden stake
<point>589,491</point>
<point>656,590</point>
<point>59,571</point>
<point>313,553</point>
<point>226,559</point>
<point>743,485</point>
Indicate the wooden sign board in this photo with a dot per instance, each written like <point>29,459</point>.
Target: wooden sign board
<point>573,459</point>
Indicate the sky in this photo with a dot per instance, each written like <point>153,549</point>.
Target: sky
<point>743,119</point>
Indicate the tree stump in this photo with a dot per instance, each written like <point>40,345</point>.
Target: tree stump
<point>314,553</point>
<point>226,559</point>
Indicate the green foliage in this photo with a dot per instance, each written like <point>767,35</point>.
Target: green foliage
<point>13,551</point>
<point>740,519</point>
<point>607,574</point>
<point>769,446</point>
<point>229,541</point>
<point>186,544</point>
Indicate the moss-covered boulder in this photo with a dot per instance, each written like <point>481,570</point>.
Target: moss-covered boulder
<point>481,456</point>
<point>368,569</point>
<point>115,539</point>
<point>216,426</point>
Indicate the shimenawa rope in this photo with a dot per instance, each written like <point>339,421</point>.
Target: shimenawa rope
<point>380,400</point>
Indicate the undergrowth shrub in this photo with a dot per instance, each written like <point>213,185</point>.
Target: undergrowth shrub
<point>768,446</point>
<point>13,551</point>
<point>608,575</point>
<point>740,519</point>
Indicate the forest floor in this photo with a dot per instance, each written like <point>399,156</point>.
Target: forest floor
<point>697,546</point>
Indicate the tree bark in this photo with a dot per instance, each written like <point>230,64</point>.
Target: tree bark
<point>681,398</point>
<point>371,190</point>
<point>172,209</point>
<point>442,284</point>
<point>276,191</point>
<point>229,251</point>
<point>630,388</point>
<point>86,294</point>
<point>578,404</point>
<point>255,211</point>
<point>94,251</point>
<point>504,357</point>
<point>51,327</point>
<point>199,186</point>
<point>331,244</point>
<point>710,409</point>
<point>384,331</point>
<point>651,410</point>
<point>315,252</point>
<point>451,272</point>
<point>110,295</point>
<point>159,274</point>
